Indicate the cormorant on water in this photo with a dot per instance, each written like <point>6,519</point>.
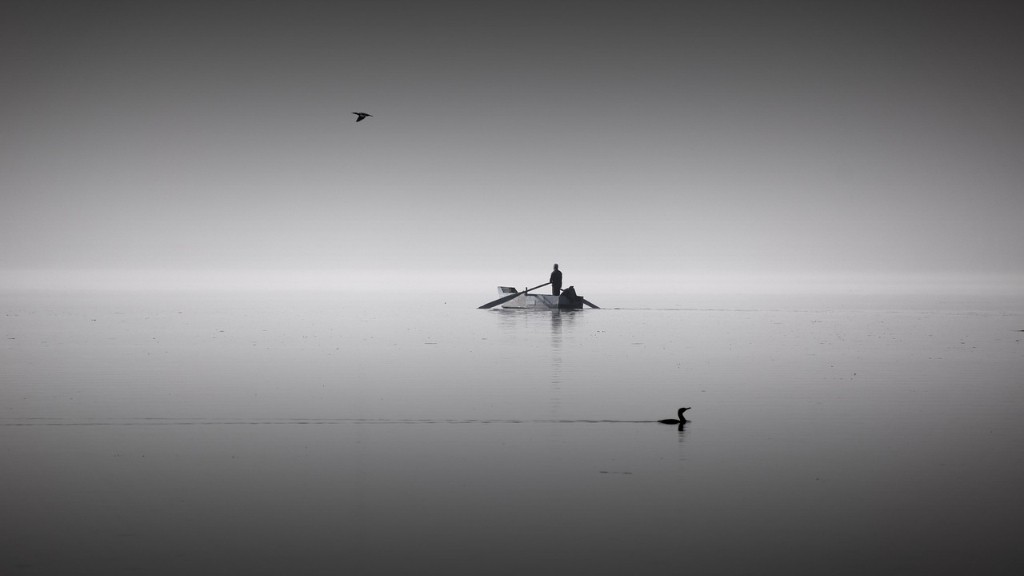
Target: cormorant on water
<point>681,420</point>
<point>362,116</point>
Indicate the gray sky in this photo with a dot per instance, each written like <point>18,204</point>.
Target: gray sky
<point>633,137</point>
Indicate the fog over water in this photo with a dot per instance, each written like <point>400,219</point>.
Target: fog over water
<point>693,138</point>
<point>238,330</point>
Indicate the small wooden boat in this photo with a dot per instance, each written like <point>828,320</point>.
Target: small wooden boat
<point>567,300</point>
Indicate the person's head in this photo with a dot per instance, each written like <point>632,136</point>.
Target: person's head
<point>556,266</point>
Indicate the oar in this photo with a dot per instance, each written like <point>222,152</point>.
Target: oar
<point>504,299</point>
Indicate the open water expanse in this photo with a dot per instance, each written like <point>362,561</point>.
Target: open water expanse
<point>340,433</point>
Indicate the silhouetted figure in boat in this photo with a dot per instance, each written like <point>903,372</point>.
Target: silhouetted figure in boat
<point>362,116</point>
<point>680,421</point>
<point>556,281</point>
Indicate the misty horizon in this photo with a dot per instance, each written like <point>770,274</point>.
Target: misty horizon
<point>692,139</point>
<point>613,285</point>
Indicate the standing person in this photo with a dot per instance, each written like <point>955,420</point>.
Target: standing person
<point>556,281</point>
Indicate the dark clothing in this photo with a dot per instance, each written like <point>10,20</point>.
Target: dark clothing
<point>556,282</point>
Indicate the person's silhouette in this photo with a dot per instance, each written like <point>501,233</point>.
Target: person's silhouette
<point>556,281</point>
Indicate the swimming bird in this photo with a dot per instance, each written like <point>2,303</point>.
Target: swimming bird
<point>362,116</point>
<point>674,421</point>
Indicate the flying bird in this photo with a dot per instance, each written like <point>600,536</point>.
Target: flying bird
<point>362,116</point>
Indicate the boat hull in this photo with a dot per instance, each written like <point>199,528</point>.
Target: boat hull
<point>567,300</point>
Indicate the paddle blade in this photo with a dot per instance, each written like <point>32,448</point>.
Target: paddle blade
<point>589,303</point>
<point>501,300</point>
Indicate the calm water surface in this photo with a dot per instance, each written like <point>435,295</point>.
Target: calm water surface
<point>272,433</point>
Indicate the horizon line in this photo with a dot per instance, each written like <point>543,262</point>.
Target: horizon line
<point>486,278</point>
